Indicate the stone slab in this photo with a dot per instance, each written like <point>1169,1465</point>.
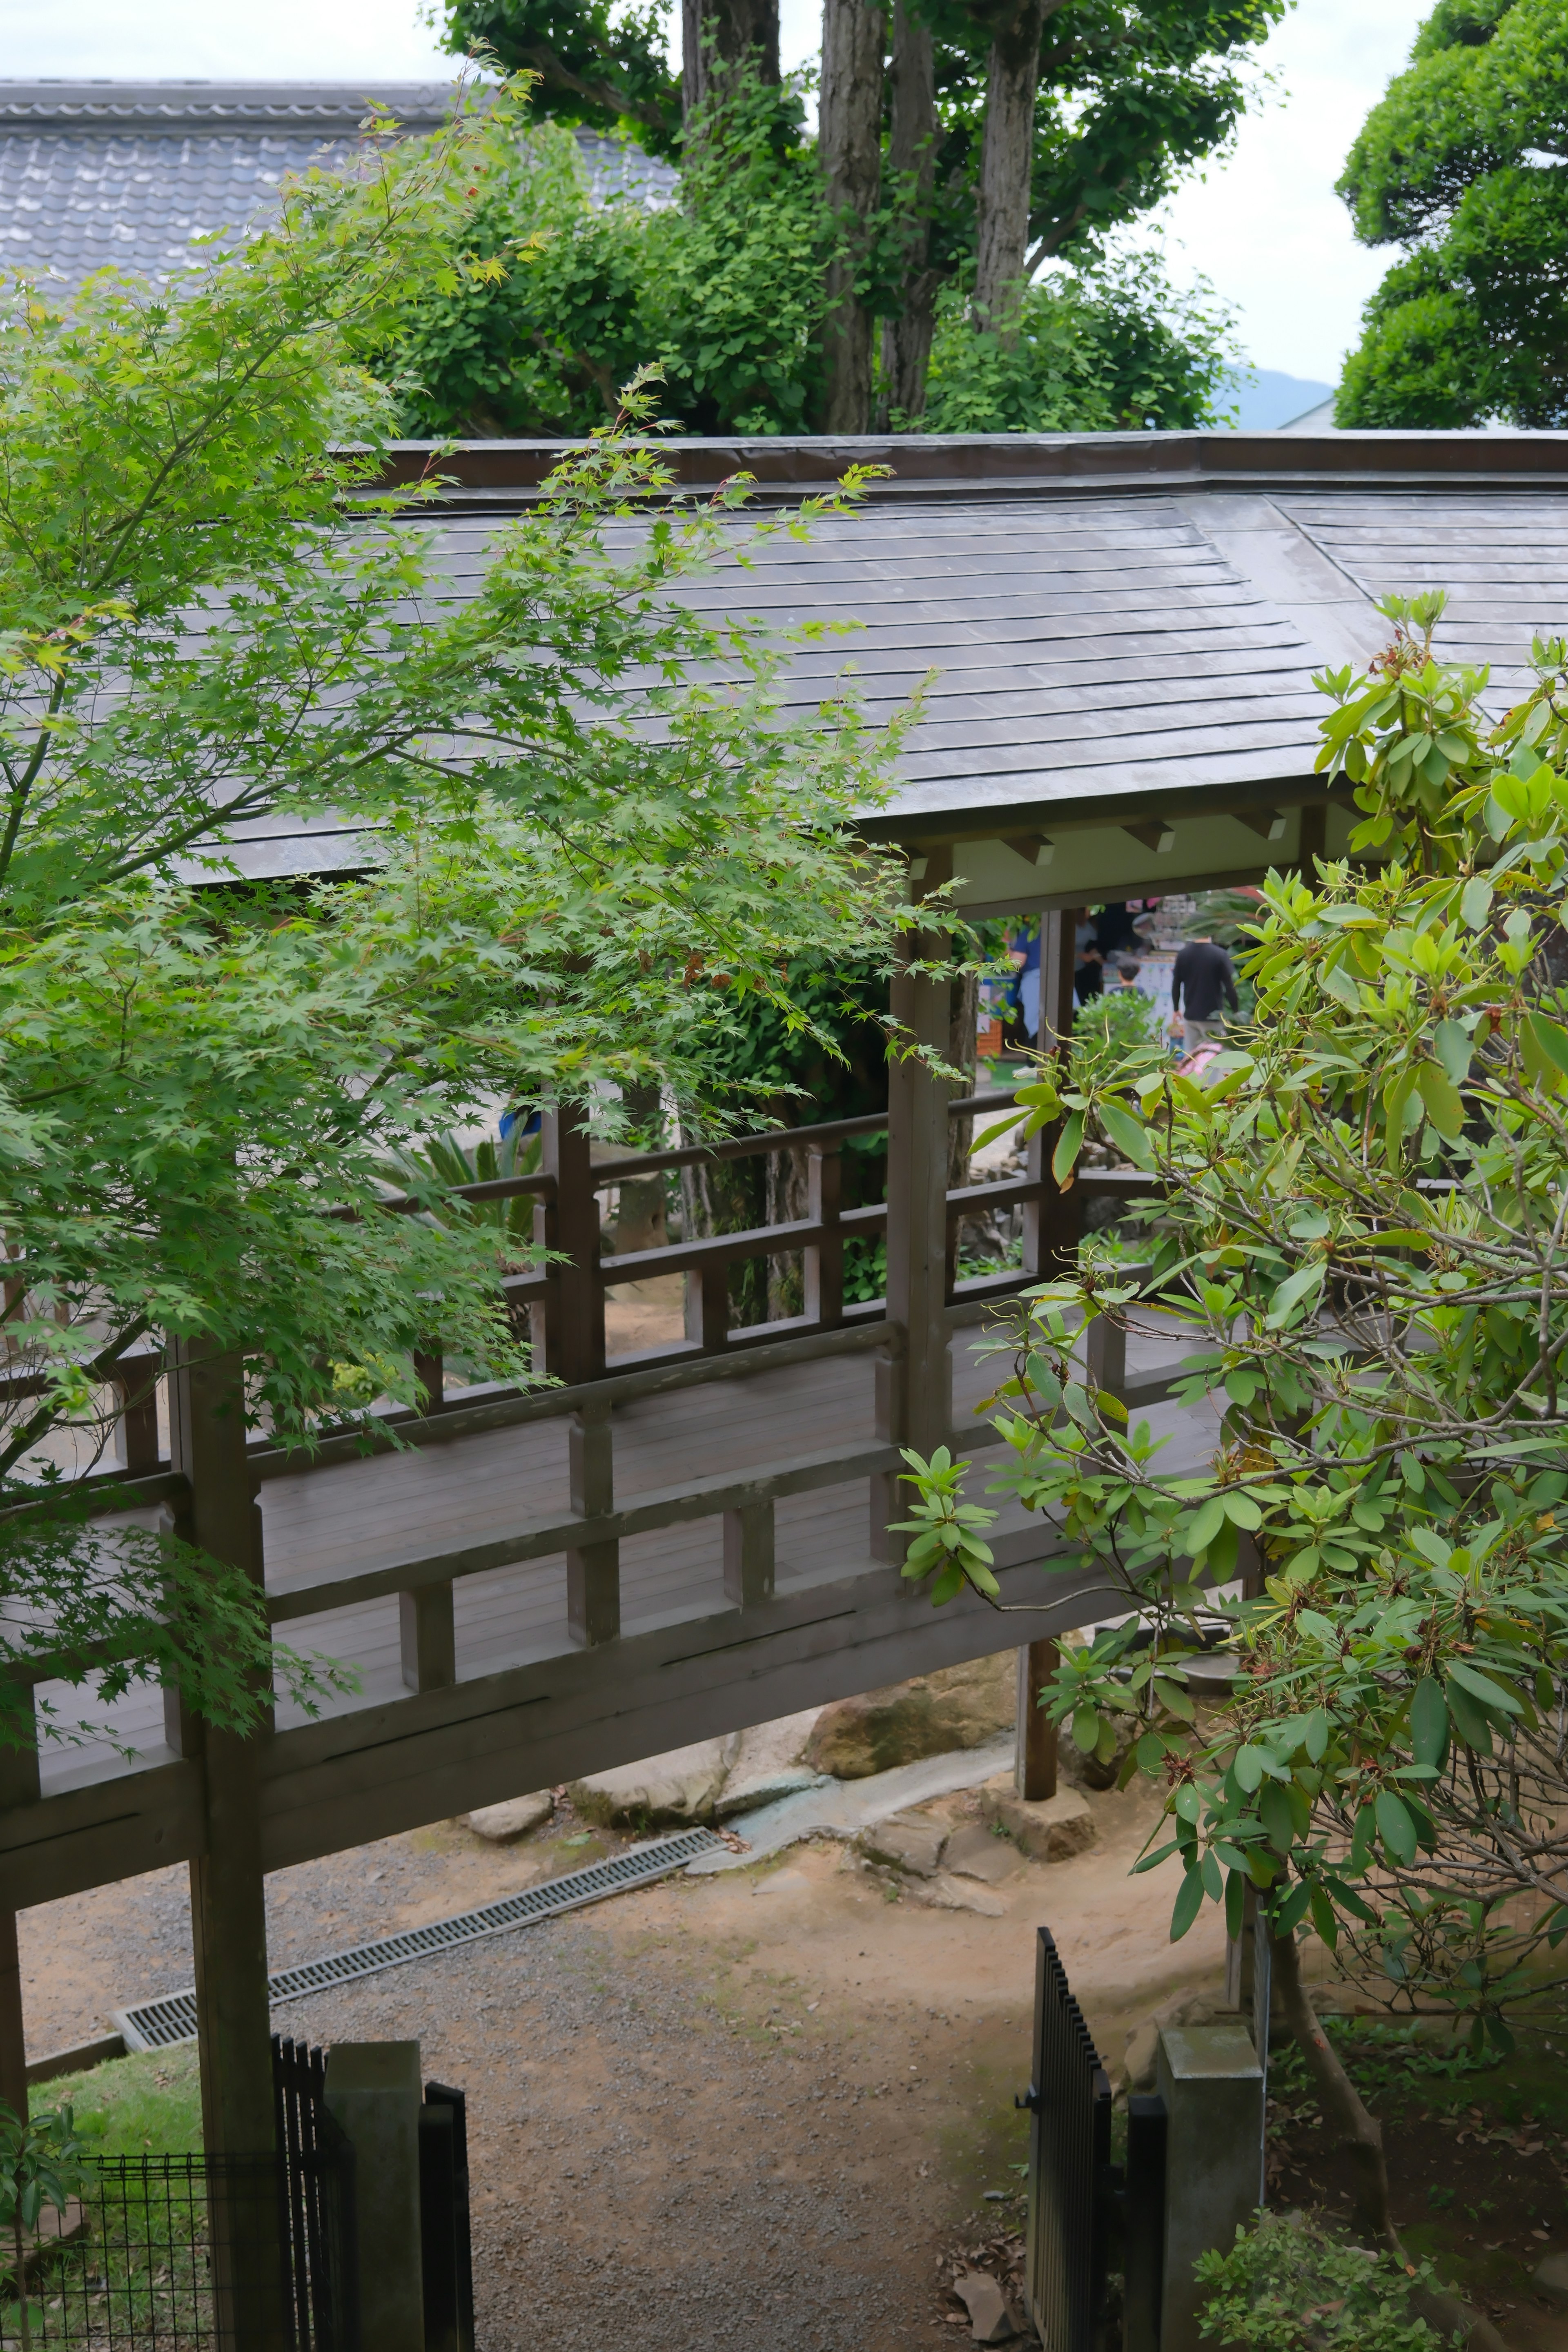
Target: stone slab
<point>842,1809</point>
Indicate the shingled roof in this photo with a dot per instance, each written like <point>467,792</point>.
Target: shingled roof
<point>1118,632</point>
<point>93,172</point>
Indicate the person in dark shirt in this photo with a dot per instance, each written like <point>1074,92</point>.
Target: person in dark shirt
<point>1203,980</point>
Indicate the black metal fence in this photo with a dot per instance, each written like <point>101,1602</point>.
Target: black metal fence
<point>447,2256</point>
<point>198,2253</point>
<point>1070,2182</point>
<point>1089,2218</point>
<point>156,2253</point>
<point>316,2159</point>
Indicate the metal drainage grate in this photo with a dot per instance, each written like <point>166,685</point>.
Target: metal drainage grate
<point>155,2024</point>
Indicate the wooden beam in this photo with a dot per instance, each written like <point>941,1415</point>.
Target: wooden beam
<point>12,2027</point>
<point>1033,848</point>
<point>1268,825</point>
<point>569,1328</point>
<point>1154,832</point>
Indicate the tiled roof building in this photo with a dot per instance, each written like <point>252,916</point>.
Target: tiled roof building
<point>130,174</point>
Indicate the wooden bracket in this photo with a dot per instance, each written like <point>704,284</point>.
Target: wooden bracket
<point>1033,848</point>
<point>1268,825</point>
<point>1155,835</point>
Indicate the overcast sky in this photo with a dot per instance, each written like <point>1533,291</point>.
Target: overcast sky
<point>1265,227</point>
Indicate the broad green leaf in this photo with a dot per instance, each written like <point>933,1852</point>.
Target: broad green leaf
<point>1064,1158</point>
<point>1126,1133</point>
<point>1189,1902</point>
<point>1441,1097</point>
<point>1395,1827</point>
<point>1428,1722</point>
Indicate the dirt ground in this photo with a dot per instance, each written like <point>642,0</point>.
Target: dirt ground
<point>748,2110</point>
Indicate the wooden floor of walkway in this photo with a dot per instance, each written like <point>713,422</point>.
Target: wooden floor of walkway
<point>347,1517</point>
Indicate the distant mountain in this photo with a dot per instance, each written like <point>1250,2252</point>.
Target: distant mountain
<point>1271,399</point>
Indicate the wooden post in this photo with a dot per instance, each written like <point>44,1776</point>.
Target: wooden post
<point>748,1554</point>
<point>13,2025</point>
<point>228,1914</point>
<point>1035,1754</point>
<point>1051,1225</point>
<point>569,1329</point>
<point>708,1308</point>
<point>427,1637</point>
<point>136,1380</point>
<point>228,1888</point>
<point>1312,840</point>
<point>594,1572</point>
<point>825,1260</point>
<point>430,1371</point>
<point>19,1786</point>
<point>914,1396</point>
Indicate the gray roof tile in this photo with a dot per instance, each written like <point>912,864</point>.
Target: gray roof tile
<point>135,173</point>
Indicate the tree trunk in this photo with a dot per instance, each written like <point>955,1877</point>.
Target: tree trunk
<point>849,139</point>
<point>719,32</point>
<point>1360,2136</point>
<point>1006,156</point>
<point>911,161</point>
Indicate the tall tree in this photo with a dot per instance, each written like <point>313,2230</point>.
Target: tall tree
<point>912,139</point>
<point>210,618</point>
<point>1038,153</point>
<point>1464,163</point>
<point>596,64</point>
<point>849,140</point>
<point>605,66</point>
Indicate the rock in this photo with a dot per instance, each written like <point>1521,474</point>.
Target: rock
<point>502,1824</point>
<point>958,1707</point>
<point>974,1852</point>
<point>945,1893</point>
<point>684,1786</point>
<point>768,1763</point>
<point>1552,2278</point>
<point>1048,1829</point>
<point>991,2319</point>
<point>1141,2049</point>
<point>907,1841</point>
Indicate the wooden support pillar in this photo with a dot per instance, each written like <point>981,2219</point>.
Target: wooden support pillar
<point>708,1308</point>
<point>221,1516</point>
<point>593,1572</point>
<point>914,1393</point>
<point>228,1912</point>
<point>569,1329</point>
<point>1035,1755</point>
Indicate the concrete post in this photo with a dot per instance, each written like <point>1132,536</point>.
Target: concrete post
<point>1212,2085</point>
<point>374,2091</point>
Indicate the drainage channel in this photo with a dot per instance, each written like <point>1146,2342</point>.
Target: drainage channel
<point>157,2024</point>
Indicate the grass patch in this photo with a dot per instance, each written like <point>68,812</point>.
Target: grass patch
<point>147,2104</point>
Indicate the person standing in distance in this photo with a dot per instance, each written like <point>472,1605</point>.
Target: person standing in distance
<point>1204,978</point>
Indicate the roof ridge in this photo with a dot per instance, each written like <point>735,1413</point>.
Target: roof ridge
<point>70,102</point>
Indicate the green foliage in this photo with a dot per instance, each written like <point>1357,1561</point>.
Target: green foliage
<point>40,2166</point>
<point>1109,348</point>
<point>1460,163</point>
<point>603,66</point>
<point>1361,1237</point>
<point>1292,2286</point>
<point>723,293</point>
<point>590,832</point>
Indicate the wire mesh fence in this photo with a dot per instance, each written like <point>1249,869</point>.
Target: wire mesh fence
<point>170,2254</point>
